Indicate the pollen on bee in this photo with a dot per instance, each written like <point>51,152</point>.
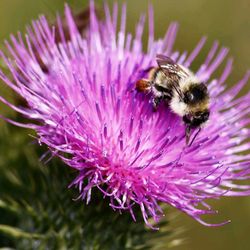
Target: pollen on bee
<point>142,85</point>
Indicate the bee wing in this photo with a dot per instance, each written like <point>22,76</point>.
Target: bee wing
<point>173,71</point>
<point>169,66</point>
<point>163,60</point>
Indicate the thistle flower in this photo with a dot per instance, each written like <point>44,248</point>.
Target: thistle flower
<point>86,110</point>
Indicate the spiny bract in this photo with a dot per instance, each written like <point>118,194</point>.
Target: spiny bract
<point>85,109</point>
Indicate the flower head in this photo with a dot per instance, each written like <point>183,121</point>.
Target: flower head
<point>85,108</point>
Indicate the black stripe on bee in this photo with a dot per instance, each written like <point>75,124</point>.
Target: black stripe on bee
<point>197,93</point>
<point>161,88</point>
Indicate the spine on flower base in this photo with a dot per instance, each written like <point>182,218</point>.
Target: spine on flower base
<point>37,211</point>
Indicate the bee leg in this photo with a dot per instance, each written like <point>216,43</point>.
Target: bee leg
<point>156,101</point>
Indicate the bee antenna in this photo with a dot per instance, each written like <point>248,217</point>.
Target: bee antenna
<point>187,134</point>
<point>199,130</point>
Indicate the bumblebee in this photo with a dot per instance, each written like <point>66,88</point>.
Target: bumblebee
<point>184,93</point>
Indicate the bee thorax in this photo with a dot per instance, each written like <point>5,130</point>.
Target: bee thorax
<point>178,106</point>
<point>186,83</point>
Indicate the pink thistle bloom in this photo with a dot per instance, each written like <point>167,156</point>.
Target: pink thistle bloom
<point>86,110</point>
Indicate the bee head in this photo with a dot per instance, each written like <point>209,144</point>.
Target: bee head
<point>195,120</point>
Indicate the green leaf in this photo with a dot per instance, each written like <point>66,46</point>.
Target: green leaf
<point>16,233</point>
<point>38,211</point>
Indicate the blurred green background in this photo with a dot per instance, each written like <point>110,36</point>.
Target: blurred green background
<point>227,21</point>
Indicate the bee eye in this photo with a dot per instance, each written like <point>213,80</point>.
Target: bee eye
<point>206,115</point>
